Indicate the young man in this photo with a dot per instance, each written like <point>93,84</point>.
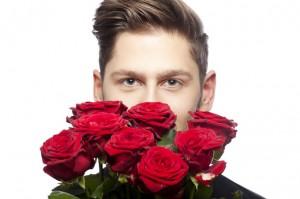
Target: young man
<point>156,50</point>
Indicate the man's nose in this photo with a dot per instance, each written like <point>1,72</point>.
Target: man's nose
<point>151,94</point>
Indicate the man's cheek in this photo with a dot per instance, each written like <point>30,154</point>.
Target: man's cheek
<point>128,99</point>
<point>113,93</point>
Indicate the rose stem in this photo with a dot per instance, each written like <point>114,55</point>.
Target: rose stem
<point>100,169</point>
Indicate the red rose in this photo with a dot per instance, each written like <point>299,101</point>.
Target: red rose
<point>160,169</point>
<point>125,148</point>
<point>98,128</point>
<point>156,115</point>
<point>197,147</point>
<point>65,156</point>
<point>214,171</point>
<point>87,108</point>
<point>221,125</point>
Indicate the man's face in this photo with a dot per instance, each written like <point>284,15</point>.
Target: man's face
<point>153,66</point>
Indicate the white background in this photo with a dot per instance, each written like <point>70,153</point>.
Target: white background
<point>47,54</point>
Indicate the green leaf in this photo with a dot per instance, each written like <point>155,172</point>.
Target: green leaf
<point>91,183</point>
<point>217,155</point>
<point>61,195</point>
<point>98,193</point>
<point>204,192</point>
<point>81,182</point>
<point>71,188</point>
<point>122,179</point>
<point>194,190</point>
<point>107,186</point>
<point>167,139</point>
<point>110,184</point>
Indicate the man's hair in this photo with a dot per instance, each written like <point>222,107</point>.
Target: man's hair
<point>174,16</point>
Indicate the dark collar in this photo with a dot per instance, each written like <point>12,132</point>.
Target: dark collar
<point>224,187</point>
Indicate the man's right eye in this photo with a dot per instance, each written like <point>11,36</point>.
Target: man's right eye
<point>129,82</point>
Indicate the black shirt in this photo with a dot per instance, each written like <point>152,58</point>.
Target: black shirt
<point>225,188</point>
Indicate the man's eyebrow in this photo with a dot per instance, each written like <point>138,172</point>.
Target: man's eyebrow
<point>165,74</point>
<point>130,73</point>
<point>171,73</point>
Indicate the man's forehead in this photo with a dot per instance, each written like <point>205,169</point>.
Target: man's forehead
<point>154,55</point>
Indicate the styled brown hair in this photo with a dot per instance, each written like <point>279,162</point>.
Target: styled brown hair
<point>116,16</point>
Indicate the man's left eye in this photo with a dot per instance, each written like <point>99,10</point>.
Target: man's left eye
<point>172,83</point>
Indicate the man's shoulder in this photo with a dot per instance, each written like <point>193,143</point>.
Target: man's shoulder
<point>226,188</point>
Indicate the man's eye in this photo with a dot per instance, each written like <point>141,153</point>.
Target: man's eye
<point>172,83</point>
<point>129,82</point>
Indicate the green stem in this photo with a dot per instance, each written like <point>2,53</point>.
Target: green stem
<point>100,170</point>
<point>192,192</point>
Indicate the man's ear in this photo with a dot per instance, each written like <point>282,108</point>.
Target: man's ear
<point>208,92</point>
<point>98,94</point>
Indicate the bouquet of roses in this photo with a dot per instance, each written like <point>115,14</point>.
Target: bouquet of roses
<point>139,152</point>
